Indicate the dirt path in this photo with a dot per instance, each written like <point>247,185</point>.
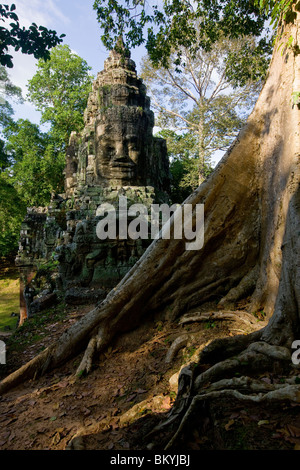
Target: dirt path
<point>127,393</point>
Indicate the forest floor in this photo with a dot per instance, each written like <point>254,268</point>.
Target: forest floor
<point>128,392</point>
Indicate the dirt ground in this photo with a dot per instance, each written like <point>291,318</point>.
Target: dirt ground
<point>128,393</point>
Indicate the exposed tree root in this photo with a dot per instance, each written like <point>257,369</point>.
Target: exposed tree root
<point>233,389</point>
<point>243,289</point>
<point>220,381</point>
<point>244,317</point>
<point>177,344</point>
<point>96,344</point>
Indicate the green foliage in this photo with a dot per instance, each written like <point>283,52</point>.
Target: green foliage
<point>248,62</point>
<point>12,211</point>
<point>9,299</point>
<point>35,328</point>
<point>36,40</point>
<point>8,92</point>
<point>185,176</point>
<point>184,164</point>
<point>279,10</point>
<point>296,98</point>
<point>117,19</point>
<point>59,90</point>
<point>37,163</point>
<point>173,24</point>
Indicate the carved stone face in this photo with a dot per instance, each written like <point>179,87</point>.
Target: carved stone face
<point>121,147</point>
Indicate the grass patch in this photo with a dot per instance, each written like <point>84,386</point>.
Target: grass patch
<point>9,302</point>
<point>35,329</point>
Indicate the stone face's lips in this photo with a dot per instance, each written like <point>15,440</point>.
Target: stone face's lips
<point>122,163</point>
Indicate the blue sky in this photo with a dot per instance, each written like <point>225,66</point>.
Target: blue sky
<point>76,19</point>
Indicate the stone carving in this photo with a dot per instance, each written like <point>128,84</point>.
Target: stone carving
<point>115,155</point>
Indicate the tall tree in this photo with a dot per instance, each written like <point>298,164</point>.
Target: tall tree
<point>205,95</point>
<point>32,168</point>
<point>12,211</point>
<point>252,247</point>
<point>37,162</point>
<point>8,92</point>
<point>12,207</point>
<point>59,90</point>
<point>184,163</point>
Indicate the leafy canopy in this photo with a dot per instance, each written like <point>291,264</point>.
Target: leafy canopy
<point>279,10</point>
<point>8,92</point>
<point>12,212</point>
<point>184,163</point>
<point>59,90</point>
<point>36,40</point>
<point>36,163</point>
<point>172,24</point>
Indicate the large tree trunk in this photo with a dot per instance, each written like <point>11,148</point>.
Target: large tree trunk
<point>251,221</point>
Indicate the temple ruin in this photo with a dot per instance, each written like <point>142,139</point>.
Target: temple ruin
<point>115,155</point>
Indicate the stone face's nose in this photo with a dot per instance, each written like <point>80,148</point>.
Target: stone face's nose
<point>121,156</point>
<point>120,151</point>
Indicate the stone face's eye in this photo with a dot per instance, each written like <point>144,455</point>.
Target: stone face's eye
<point>108,150</point>
<point>132,145</point>
<point>133,153</point>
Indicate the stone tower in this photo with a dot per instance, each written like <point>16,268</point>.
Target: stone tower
<point>117,147</point>
<point>115,155</point>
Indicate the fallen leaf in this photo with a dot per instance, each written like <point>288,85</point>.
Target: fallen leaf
<point>31,402</point>
<point>115,411</point>
<point>131,397</point>
<point>11,437</point>
<point>63,384</point>
<point>87,412</point>
<point>266,380</point>
<point>229,424</point>
<point>166,403</point>
<point>262,422</point>
<point>283,431</point>
<point>56,439</point>
<point>294,430</point>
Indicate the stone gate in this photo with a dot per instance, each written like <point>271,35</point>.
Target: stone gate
<point>115,155</point>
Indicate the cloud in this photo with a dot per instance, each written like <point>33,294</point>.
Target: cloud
<point>41,12</point>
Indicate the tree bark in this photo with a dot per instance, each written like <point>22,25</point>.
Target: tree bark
<point>251,205</point>
<point>201,145</point>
